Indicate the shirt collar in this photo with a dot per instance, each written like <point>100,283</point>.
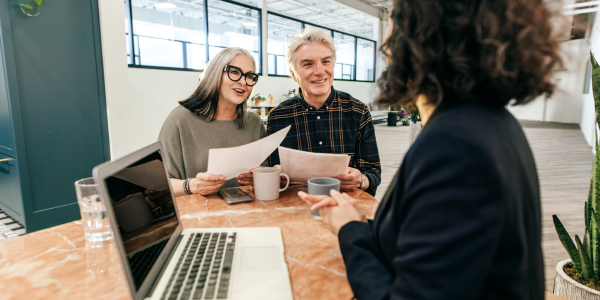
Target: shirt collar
<point>307,106</point>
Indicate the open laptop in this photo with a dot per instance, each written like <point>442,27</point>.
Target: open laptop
<point>163,261</point>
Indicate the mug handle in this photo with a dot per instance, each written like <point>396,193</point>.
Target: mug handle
<point>288,183</point>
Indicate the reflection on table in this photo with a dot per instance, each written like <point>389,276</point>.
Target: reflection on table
<point>57,263</point>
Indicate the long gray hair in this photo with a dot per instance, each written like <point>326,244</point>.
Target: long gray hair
<point>204,100</point>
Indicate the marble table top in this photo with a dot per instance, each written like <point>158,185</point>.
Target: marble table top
<point>58,263</point>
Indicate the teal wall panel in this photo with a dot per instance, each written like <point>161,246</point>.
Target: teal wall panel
<point>56,89</point>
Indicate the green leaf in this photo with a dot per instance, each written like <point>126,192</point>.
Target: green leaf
<point>595,243</point>
<point>26,6</point>
<point>586,212</point>
<point>567,242</point>
<point>586,241</point>
<point>595,246</point>
<point>586,264</point>
<point>596,85</point>
<point>39,2</point>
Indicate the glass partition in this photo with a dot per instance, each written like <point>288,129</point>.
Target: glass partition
<point>231,25</point>
<point>173,34</point>
<point>365,60</point>
<point>326,30</point>
<point>280,32</point>
<point>345,60</point>
<point>162,35</point>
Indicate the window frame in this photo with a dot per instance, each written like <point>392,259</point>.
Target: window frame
<point>131,38</point>
<point>332,35</point>
<point>130,35</point>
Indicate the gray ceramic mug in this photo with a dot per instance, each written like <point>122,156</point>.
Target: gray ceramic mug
<point>322,186</point>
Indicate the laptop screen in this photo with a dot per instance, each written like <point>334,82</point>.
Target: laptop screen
<point>144,212</point>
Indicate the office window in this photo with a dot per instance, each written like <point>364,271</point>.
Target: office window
<point>326,30</point>
<point>345,46</point>
<point>172,34</point>
<point>167,36</point>
<point>231,25</point>
<point>280,31</point>
<point>365,60</point>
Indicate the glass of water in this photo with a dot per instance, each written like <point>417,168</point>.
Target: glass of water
<point>96,225</point>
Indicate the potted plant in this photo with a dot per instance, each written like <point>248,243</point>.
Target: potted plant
<point>415,126</point>
<point>579,277</point>
<point>404,116</point>
<point>289,95</point>
<point>257,99</point>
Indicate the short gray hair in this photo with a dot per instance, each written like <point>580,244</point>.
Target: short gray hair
<point>310,35</point>
<point>205,99</point>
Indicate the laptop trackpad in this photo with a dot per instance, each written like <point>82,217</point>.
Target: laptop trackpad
<point>261,259</point>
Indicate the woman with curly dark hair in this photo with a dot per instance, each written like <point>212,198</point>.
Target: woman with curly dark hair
<point>462,217</point>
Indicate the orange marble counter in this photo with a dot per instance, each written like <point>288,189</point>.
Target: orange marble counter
<point>57,263</point>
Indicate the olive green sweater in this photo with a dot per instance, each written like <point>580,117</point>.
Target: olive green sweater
<point>186,139</point>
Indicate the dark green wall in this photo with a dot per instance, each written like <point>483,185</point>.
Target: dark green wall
<point>57,105</point>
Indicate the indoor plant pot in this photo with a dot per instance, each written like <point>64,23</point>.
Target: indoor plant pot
<point>585,255</point>
<point>565,286</point>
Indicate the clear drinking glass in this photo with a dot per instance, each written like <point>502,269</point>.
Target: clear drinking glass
<point>93,211</point>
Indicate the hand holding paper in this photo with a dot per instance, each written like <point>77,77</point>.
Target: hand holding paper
<point>231,162</point>
<point>302,166</point>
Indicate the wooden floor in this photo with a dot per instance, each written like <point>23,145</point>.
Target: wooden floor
<point>564,162</point>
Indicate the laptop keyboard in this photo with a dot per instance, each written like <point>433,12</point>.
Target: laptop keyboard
<point>142,261</point>
<point>204,268</point>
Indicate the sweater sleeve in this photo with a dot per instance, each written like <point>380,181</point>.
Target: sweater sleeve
<point>170,139</point>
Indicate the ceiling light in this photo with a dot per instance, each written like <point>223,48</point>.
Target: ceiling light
<point>249,24</point>
<point>165,5</point>
<point>243,11</point>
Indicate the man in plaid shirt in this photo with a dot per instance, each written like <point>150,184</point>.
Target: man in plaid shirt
<point>323,119</point>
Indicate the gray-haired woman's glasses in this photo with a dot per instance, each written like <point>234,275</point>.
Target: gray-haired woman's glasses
<point>234,73</point>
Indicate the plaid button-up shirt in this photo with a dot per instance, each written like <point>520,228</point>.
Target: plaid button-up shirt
<point>343,125</point>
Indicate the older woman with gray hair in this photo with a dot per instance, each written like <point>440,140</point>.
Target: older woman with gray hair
<point>214,116</point>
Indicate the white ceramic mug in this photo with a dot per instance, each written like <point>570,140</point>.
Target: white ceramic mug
<point>266,183</point>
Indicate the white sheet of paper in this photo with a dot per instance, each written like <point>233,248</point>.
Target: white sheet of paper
<point>302,166</point>
<point>231,162</point>
<point>150,175</point>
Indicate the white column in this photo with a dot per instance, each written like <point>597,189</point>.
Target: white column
<point>264,37</point>
<point>116,78</point>
<point>380,38</point>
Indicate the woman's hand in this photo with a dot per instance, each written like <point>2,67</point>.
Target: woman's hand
<point>282,179</point>
<point>206,184</point>
<point>337,210</point>
<point>247,178</point>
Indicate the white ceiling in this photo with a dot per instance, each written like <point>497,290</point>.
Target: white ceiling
<point>327,13</point>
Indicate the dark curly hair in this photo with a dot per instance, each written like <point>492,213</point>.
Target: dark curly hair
<point>469,50</point>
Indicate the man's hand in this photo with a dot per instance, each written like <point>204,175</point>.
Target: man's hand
<point>337,210</point>
<point>206,184</point>
<point>349,181</point>
<point>282,179</point>
<point>247,178</point>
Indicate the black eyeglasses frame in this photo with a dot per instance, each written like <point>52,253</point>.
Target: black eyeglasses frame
<point>228,67</point>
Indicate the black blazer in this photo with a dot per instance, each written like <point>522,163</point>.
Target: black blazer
<point>461,219</point>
